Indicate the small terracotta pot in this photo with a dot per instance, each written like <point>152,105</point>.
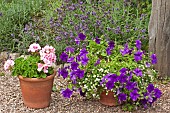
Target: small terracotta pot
<point>36,93</point>
<point>108,99</point>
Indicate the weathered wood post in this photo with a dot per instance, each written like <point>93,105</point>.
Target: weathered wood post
<point>159,35</point>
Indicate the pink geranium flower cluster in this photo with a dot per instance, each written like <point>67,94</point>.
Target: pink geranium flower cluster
<point>34,47</point>
<point>8,64</point>
<point>47,55</point>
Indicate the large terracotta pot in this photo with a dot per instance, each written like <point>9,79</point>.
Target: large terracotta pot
<point>108,99</point>
<point>36,93</point>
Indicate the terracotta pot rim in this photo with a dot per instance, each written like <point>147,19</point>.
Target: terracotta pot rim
<point>37,79</point>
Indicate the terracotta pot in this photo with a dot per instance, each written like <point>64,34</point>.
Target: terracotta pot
<point>36,93</point>
<point>108,99</point>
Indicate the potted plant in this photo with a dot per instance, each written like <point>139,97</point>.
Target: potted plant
<point>103,69</point>
<point>36,74</point>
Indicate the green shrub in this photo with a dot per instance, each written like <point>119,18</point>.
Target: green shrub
<point>14,15</point>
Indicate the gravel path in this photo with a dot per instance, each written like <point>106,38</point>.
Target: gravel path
<point>11,101</point>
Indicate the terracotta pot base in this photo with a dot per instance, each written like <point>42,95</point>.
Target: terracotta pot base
<point>36,93</point>
<point>108,99</point>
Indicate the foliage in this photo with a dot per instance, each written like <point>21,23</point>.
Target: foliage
<point>14,14</point>
<point>39,64</point>
<point>118,21</point>
<point>106,65</point>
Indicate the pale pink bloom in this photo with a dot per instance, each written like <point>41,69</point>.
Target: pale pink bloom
<point>43,67</point>
<point>8,64</point>
<point>34,47</point>
<point>48,49</point>
<point>40,66</point>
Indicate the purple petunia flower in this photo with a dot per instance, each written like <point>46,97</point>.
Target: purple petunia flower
<point>138,56</point>
<point>81,36</point>
<point>122,97</point>
<point>153,59</point>
<point>123,70</point>
<point>97,40</point>
<point>73,76</point>
<point>109,85</point>
<point>84,60</point>
<point>67,93</point>
<point>71,59</point>
<point>83,52</point>
<point>130,85</point>
<point>80,73</point>
<point>157,93</point>
<point>63,72</point>
<point>74,65</point>
<point>108,51</point>
<point>70,49</point>
<point>97,62</point>
<point>138,44</point>
<point>64,57</point>
<point>134,95</point>
<point>150,88</point>
<point>126,50</point>
<point>138,72</point>
<point>122,78</point>
<point>111,45</point>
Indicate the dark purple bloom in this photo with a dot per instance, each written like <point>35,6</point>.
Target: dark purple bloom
<point>122,78</point>
<point>84,60</point>
<point>126,50</point>
<point>108,51</point>
<point>78,58</point>
<point>70,49</point>
<point>97,62</point>
<point>71,59</point>
<point>138,72</point>
<point>67,93</point>
<point>123,70</point>
<point>157,93</point>
<point>122,97</point>
<point>97,40</point>
<point>63,72</point>
<point>110,85</point>
<point>111,45</point>
<point>80,73</point>
<point>0,13</point>
<point>134,95</point>
<point>138,44</point>
<point>153,59</point>
<point>74,65</point>
<point>138,56</point>
<point>64,57</point>
<point>73,76</point>
<point>150,88</point>
<point>82,36</point>
<point>83,52</point>
<point>130,85</point>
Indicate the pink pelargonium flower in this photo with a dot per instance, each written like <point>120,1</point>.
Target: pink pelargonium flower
<point>49,59</point>
<point>8,64</point>
<point>34,47</point>
<point>43,67</point>
<point>48,49</point>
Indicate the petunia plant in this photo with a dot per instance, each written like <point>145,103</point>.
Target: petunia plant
<point>102,65</point>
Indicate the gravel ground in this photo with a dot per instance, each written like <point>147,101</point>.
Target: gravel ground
<point>11,101</point>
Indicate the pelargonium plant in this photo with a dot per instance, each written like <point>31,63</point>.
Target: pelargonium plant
<point>39,64</point>
<point>105,66</point>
